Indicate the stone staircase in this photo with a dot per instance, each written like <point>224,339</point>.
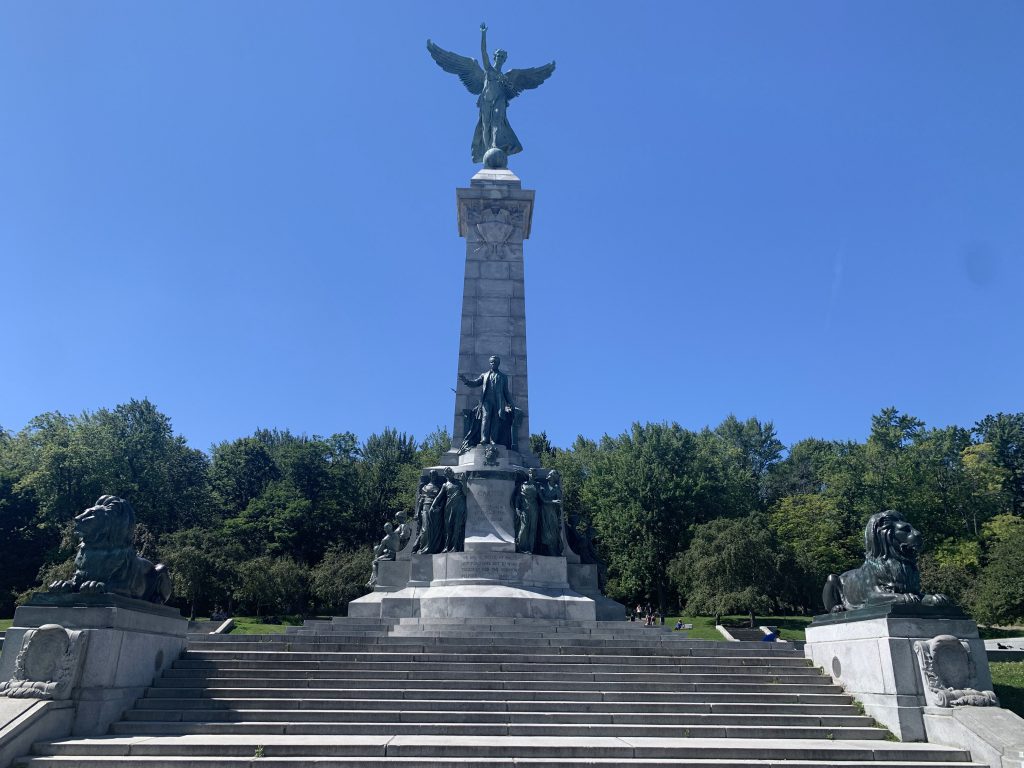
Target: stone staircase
<point>369,692</point>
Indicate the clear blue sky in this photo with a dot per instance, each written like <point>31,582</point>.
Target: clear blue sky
<point>244,211</point>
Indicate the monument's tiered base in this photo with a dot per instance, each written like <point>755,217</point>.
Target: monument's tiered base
<point>475,601</point>
<point>489,579</point>
<point>480,584</point>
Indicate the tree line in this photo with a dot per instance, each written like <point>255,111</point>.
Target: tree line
<point>714,521</point>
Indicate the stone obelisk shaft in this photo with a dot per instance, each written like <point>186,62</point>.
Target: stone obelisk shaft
<point>494,217</point>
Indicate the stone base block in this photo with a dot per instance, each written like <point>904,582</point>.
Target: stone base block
<point>583,579</point>
<point>130,642</point>
<point>475,601</point>
<point>26,721</point>
<point>994,736</point>
<point>873,659</point>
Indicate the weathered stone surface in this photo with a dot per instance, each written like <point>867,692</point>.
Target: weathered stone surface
<point>494,217</point>
<point>874,660</point>
<point>129,643</point>
<point>949,674</point>
<point>47,665</point>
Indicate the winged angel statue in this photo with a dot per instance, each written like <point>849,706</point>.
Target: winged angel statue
<point>495,90</point>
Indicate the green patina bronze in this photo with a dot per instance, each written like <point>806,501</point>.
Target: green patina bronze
<point>494,138</point>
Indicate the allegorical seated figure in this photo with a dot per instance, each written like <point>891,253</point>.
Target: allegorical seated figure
<point>889,573</point>
<point>386,550</point>
<point>493,420</point>
<point>106,559</point>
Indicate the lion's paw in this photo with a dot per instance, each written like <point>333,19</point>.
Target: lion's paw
<point>935,600</point>
<point>62,586</point>
<point>92,587</point>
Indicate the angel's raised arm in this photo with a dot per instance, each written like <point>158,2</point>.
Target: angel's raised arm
<point>483,46</point>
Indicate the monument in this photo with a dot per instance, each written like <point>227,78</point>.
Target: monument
<point>489,534</point>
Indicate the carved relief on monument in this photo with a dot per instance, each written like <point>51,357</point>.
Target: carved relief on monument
<point>949,673</point>
<point>493,229</point>
<point>48,664</point>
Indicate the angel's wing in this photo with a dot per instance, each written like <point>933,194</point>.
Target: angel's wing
<point>519,80</point>
<point>468,70</point>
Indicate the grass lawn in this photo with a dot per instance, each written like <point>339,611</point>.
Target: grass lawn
<point>251,625</point>
<point>1008,681</point>
<point>790,627</point>
<point>5,624</point>
<point>998,633</point>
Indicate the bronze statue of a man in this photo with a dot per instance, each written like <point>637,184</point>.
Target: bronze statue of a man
<point>495,400</point>
<point>495,90</point>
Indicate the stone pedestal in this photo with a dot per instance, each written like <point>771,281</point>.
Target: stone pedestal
<point>125,644</point>
<point>494,216</point>
<point>870,652</point>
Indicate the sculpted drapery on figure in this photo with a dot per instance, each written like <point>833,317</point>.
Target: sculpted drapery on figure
<point>450,506</point>
<point>431,520</point>
<point>495,90</point>
<point>551,515</point>
<point>527,506</point>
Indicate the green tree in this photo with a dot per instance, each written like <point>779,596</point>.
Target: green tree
<point>732,565</point>
<point>388,471</point>
<point>999,598</point>
<point>819,539</point>
<point>645,488</point>
<point>1005,433</point>
<point>240,472</point>
<point>340,578</point>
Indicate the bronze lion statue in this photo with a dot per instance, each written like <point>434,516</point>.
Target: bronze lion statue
<point>106,560</point>
<point>889,573</point>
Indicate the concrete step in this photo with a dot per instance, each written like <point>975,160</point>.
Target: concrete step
<point>556,664</point>
<point>414,687</point>
<point>565,698</point>
<point>461,762</point>
<point>697,674</point>
<point>268,723</point>
<point>264,709</point>
<point>601,711</point>
<point>824,751</point>
<point>479,654</point>
<point>525,695</point>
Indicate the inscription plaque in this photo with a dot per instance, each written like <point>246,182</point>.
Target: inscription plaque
<point>499,566</point>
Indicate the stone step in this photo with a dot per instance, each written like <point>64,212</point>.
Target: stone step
<point>824,751</point>
<point>693,683</point>
<point>642,646</point>
<point>696,674</point>
<point>460,762</point>
<point>517,654</point>
<point>821,704</point>
<point>631,638</point>
<point>271,722</point>
<point>600,711</point>
<point>780,693</point>
<point>334,713</point>
<point>681,664</point>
